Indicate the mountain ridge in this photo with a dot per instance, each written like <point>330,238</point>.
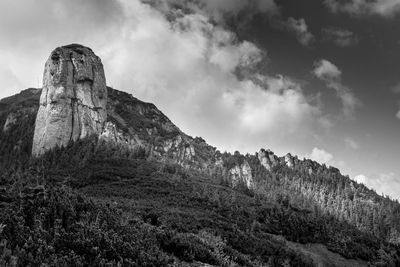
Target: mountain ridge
<point>141,164</point>
<point>290,185</point>
<point>182,149</point>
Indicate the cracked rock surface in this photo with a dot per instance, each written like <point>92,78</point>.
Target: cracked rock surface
<point>73,100</point>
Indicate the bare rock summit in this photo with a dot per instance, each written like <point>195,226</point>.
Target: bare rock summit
<point>73,100</point>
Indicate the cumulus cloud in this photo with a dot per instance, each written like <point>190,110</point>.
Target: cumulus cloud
<point>327,71</point>
<point>384,8</point>
<point>184,62</point>
<point>340,37</point>
<point>300,29</point>
<point>187,67</point>
<point>385,183</point>
<point>332,76</point>
<point>321,156</point>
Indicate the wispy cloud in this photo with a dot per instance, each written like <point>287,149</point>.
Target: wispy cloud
<point>384,8</point>
<point>300,29</point>
<point>385,183</point>
<point>332,76</point>
<point>340,37</point>
<point>219,11</point>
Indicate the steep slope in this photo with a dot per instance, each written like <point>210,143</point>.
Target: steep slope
<point>137,166</point>
<point>17,120</point>
<point>134,124</point>
<point>200,204</point>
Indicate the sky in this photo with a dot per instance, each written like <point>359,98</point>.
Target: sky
<point>317,78</point>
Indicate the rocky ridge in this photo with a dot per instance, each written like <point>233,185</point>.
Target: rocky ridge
<point>75,103</point>
<point>296,188</point>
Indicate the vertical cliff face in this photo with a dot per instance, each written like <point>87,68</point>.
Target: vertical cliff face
<point>242,174</point>
<point>73,100</point>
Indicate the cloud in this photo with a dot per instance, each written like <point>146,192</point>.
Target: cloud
<point>238,12</point>
<point>332,76</point>
<point>184,62</point>
<point>219,11</point>
<point>340,37</point>
<point>68,19</point>
<point>234,7</point>
<point>321,156</point>
<point>384,8</point>
<point>187,67</point>
<point>351,143</point>
<point>327,71</point>
<point>385,183</point>
<point>32,29</point>
<point>300,29</point>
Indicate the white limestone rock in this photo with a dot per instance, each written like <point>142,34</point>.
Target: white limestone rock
<point>242,174</point>
<point>267,159</point>
<point>73,100</point>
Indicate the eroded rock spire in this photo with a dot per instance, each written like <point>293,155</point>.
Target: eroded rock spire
<point>74,98</point>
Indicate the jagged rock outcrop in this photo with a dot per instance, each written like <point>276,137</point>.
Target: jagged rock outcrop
<point>267,159</point>
<point>112,135</point>
<point>242,174</point>
<point>178,148</point>
<point>291,161</point>
<point>73,100</point>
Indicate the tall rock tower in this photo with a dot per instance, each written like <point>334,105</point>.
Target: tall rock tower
<point>74,98</point>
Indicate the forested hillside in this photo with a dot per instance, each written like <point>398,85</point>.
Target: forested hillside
<point>97,202</point>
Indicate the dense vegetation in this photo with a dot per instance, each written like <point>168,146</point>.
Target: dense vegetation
<point>91,204</point>
<point>148,214</point>
<point>327,191</point>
